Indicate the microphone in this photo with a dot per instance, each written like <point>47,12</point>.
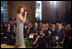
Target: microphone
<point>24,12</point>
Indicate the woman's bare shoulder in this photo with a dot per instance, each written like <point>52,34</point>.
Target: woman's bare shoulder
<point>18,14</point>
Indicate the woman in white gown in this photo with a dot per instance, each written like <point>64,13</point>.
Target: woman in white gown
<point>20,19</point>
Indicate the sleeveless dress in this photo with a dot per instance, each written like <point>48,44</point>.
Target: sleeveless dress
<point>19,33</point>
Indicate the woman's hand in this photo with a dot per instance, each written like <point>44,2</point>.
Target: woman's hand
<point>25,13</point>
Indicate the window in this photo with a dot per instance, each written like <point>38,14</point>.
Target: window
<point>4,11</point>
<point>38,11</point>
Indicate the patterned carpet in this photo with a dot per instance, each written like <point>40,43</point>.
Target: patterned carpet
<point>6,46</point>
<point>27,43</point>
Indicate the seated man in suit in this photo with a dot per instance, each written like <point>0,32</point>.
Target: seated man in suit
<point>40,25</point>
<point>46,29</point>
<point>35,30</point>
<point>53,29</point>
<point>29,29</point>
<point>59,35</point>
<point>50,35</point>
<point>36,27</point>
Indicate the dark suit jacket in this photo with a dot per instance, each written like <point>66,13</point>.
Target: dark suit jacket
<point>53,32</point>
<point>46,31</point>
<point>35,29</point>
<point>30,29</point>
<point>60,33</point>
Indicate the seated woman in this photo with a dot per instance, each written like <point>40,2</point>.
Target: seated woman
<point>48,39</point>
<point>40,41</point>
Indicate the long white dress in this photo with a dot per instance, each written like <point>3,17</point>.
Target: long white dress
<point>19,33</point>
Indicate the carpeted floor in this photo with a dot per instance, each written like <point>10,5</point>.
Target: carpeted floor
<point>27,43</point>
<point>6,46</point>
